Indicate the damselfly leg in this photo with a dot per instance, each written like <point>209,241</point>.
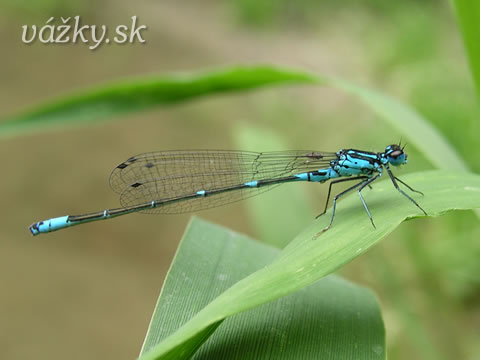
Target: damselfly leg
<point>330,190</point>
<point>408,186</point>
<point>393,178</point>
<point>367,183</point>
<point>338,196</point>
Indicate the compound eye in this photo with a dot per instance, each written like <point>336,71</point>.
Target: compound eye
<point>396,153</point>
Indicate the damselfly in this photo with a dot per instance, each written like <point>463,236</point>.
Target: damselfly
<point>173,182</point>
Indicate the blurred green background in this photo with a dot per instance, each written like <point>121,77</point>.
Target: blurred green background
<point>88,292</point>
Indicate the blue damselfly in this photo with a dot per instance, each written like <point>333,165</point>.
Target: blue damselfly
<point>173,182</point>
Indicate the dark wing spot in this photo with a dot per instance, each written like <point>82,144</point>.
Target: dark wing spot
<point>149,165</point>
<point>132,160</point>
<point>122,166</point>
<point>137,184</point>
<point>314,155</point>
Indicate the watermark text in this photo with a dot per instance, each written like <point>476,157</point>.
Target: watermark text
<point>71,30</point>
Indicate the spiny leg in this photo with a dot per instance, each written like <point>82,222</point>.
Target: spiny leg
<point>330,189</point>
<point>392,177</point>
<point>338,196</point>
<point>367,183</point>
<point>408,186</point>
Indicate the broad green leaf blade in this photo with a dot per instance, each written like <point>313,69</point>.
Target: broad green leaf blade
<point>208,261</point>
<point>313,255</point>
<point>468,15</point>
<point>141,94</point>
<point>331,316</point>
<point>293,217</point>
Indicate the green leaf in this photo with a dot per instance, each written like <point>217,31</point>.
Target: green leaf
<point>468,15</point>
<point>331,316</point>
<point>313,254</point>
<point>141,94</point>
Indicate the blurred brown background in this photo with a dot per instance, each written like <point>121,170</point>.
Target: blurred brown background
<point>89,292</point>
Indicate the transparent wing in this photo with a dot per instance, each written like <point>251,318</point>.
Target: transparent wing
<point>176,174</point>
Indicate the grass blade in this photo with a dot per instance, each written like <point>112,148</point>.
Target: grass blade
<point>468,13</point>
<point>141,94</point>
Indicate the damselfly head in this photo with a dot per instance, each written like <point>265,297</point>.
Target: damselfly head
<point>395,155</point>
